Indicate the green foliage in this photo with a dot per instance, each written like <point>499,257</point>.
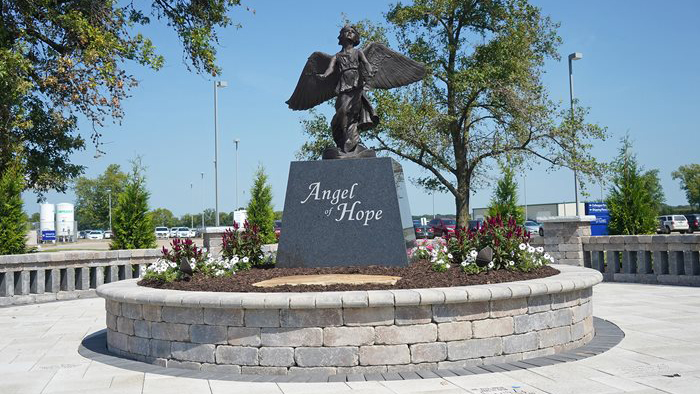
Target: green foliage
<point>132,225</point>
<point>504,202</point>
<point>244,246</point>
<point>689,175</point>
<point>319,136</point>
<point>12,219</point>
<point>260,212</point>
<point>62,59</point>
<point>630,200</point>
<point>482,99</point>
<point>92,197</point>
<point>163,217</point>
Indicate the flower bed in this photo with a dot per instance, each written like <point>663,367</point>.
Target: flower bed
<point>351,331</point>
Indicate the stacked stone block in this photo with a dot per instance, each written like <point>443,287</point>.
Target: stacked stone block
<point>339,339</point>
<point>563,237</point>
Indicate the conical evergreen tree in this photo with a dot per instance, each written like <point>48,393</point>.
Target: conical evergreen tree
<point>260,212</point>
<point>12,219</point>
<point>630,202</point>
<point>132,225</point>
<point>505,198</point>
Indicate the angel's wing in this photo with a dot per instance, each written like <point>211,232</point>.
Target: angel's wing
<point>392,69</point>
<point>312,90</point>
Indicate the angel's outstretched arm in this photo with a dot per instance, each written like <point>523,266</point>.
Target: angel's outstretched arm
<point>329,70</point>
<point>368,66</point>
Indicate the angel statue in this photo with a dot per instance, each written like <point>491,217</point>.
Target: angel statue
<point>348,75</point>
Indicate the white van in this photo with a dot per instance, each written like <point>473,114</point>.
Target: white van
<point>670,223</point>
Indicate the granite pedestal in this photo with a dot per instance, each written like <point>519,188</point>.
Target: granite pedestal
<point>345,213</point>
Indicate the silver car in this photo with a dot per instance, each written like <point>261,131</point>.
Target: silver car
<point>534,227</point>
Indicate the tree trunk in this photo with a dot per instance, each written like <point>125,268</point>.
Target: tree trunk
<point>462,203</point>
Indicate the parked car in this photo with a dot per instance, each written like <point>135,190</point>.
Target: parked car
<point>422,230</point>
<point>693,222</point>
<point>442,227</point>
<point>162,232</point>
<point>534,227</point>
<point>83,234</point>
<point>183,232</point>
<point>670,223</point>
<point>193,233</point>
<point>475,224</point>
<point>173,232</point>
<point>278,229</point>
<point>96,234</point>
<point>108,234</point>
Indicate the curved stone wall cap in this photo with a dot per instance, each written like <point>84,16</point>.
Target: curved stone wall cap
<point>570,278</point>
<point>217,230</point>
<point>564,219</point>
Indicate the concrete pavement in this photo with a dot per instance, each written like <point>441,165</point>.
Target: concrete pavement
<point>659,354</point>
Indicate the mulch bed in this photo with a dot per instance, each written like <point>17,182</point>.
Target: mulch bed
<point>417,275</point>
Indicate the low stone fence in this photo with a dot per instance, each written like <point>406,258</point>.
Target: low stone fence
<point>353,331</point>
<point>41,277</point>
<point>664,259</point>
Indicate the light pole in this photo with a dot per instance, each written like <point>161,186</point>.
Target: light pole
<point>237,206</point>
<point>217,84</point>
<point>572,57</point>
<point>202,202</point>
<point>192,197</point>
<point>109,192</point>
<point>433,193</point>
<point>525,192</point>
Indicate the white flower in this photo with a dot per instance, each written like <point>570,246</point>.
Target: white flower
<point>246,259</point>
<point>434,259</point>
<point>473,253</point>
<point>235,259</point>
<point>447,266</point>
<point>511,263</point>
<point>449,256</point>
<point>531,249</point>
<point>192,260</point>
<point>491,265</point>
<point>172,264</point>
<point>522,246</point>
<point>540,249</point>
<point>463,263</point>
<point>547,256</point>
<point>192,265</point>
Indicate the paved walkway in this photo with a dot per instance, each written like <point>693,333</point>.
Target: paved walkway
<point>660,354</point>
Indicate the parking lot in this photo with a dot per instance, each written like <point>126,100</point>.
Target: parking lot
<point>96,244</point>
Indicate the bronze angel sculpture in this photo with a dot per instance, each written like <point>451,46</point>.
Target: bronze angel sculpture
<point>348,75</point>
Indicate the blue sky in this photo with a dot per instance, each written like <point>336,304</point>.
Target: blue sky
<point>639,75</point>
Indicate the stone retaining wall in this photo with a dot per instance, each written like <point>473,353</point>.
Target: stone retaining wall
<point>354,331</point>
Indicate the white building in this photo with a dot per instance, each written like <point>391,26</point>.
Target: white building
<point>534,211</point>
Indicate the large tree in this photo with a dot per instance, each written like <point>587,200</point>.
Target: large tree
<point>13,230</point>
<point>483,97</point>
<point>162,217</point>
<point>631,198</point>
<point>61,59</point>
<point>92,197</point>
<point>689,175</point>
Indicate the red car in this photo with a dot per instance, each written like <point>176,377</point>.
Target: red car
<point>442,227</point>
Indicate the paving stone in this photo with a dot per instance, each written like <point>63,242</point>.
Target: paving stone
<point>492,327</point>
<point>138,345</point>
<point>276,356</point>
<point>111,321</point>
<point>295,337</point>
<point>362,369</point>
<point>191,365</point>
<point>404,315</point>
<point>223,317</point>
<point>132,311</point>
<point>348,336</point>
<point>262,317</point>
<point>471,348</point>
<point>539,303</point>
<point>533,322</point>
<point>254,370</point>
<point>311,317</point>
<point>237,355</point>
<point>222,369</point>
<point>326,356</point>
<point>176,314</point>
<point>458,312</point>
<point>368,316</point>
<point>405,334</point>
<point>454,331</point>
<point>200,333</point>
<point>508,307</point>
<point>117,340</point>
<point>244,336</point>
<point>125,325</point>
<point>554,336</point>
<point>142,328</point>
<point>384,355</point>
<point>170,331</point>
<point>111,306</point>
<point>158,348</point>
<point>192,352</point>
<point>428,352</point>
<point>151,312</point>
<point>561,317</point>
<point>520,343</point>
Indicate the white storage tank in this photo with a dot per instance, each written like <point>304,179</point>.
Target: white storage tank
<point>47,217</point>
<point>65,219</point>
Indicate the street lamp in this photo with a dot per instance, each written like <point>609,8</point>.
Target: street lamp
<point>236,141</point>
<point>572,57</point>
<point>192,197</point>
<point>202,201</point>
<point>217,84</point>
<point>109,192</point>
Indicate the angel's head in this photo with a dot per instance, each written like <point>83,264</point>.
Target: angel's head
<point>349,33</point>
